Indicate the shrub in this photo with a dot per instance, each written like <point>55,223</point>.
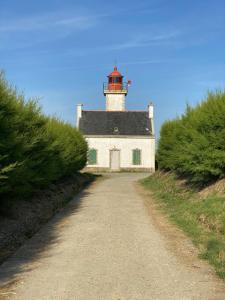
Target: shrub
<point>35,150</point>
<point>193,145</point>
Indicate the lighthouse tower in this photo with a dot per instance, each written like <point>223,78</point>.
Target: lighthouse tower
<point>115,91</point>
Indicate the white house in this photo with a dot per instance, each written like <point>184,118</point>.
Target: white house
<point>118,139</point>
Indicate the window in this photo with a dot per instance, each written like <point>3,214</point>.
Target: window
<point>116,79</point>
<point>115,130</point>
<point>92,157</point>
<point>136,157</point>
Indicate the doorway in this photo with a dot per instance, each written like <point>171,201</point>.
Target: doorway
<point>115,160</point>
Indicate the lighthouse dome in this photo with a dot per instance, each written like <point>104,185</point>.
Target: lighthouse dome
<point>115,73</point>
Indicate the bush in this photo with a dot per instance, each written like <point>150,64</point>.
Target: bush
<point>193,145</point>
<point>35,150</point>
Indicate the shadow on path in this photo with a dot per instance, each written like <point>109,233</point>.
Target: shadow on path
<point>26,257</point>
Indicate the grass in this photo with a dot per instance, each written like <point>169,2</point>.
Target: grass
<point>203,220</point>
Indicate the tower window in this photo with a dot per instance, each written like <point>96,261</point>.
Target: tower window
<point>116,79</point>
<point>136,157</point>
<point>92,157</point>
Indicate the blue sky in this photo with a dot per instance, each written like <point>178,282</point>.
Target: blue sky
<point>62,51</point>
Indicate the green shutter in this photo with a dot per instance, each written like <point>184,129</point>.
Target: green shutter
<point>136,157</point>
<point>92,157</point>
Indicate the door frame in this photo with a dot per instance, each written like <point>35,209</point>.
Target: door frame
<point>110,159</point>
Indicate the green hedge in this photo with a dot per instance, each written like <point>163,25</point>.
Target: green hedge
<point>35,150</point>
<point>194,144</point>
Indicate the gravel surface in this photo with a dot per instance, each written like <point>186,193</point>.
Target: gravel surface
<point>104,245</point>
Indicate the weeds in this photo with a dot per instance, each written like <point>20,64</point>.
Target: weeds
<point>202,219</point>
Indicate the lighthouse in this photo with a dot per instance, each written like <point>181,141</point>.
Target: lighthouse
<point>115,91</point>
<point>118,139</point>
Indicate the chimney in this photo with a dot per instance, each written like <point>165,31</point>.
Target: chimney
<point>151,117</point>
<point>79,113</point>
<point>151,110</point>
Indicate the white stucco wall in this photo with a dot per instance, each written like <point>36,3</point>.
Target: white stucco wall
<point>115,102</point>
<point>103,145</point>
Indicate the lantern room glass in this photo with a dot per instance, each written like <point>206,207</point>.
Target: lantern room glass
<point>115,80</point>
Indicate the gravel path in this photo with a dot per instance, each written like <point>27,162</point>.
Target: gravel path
<point>103,246</point>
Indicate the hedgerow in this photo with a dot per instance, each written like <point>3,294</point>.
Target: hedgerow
<point>35,150</point>
<point>193,145</point>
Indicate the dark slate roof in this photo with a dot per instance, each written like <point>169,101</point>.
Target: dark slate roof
<point>115,123</point>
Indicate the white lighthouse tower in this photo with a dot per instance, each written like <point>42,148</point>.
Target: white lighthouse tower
<point>115,91</point>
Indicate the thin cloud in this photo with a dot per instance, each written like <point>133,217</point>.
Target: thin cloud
<point>67,20</point>
<point>143,62</point>
<point>22,33</point>
<point>48,22</point>
<point>57,25</point>
<point>136,42</point>
<point>145,41</point>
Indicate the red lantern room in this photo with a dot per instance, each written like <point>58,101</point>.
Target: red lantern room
<point>115,81</point>
<point>115,84</point>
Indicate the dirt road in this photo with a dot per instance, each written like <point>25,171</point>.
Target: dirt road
<point>104,246</point>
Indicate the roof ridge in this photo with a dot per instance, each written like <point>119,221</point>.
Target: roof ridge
<point>98,110</point>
